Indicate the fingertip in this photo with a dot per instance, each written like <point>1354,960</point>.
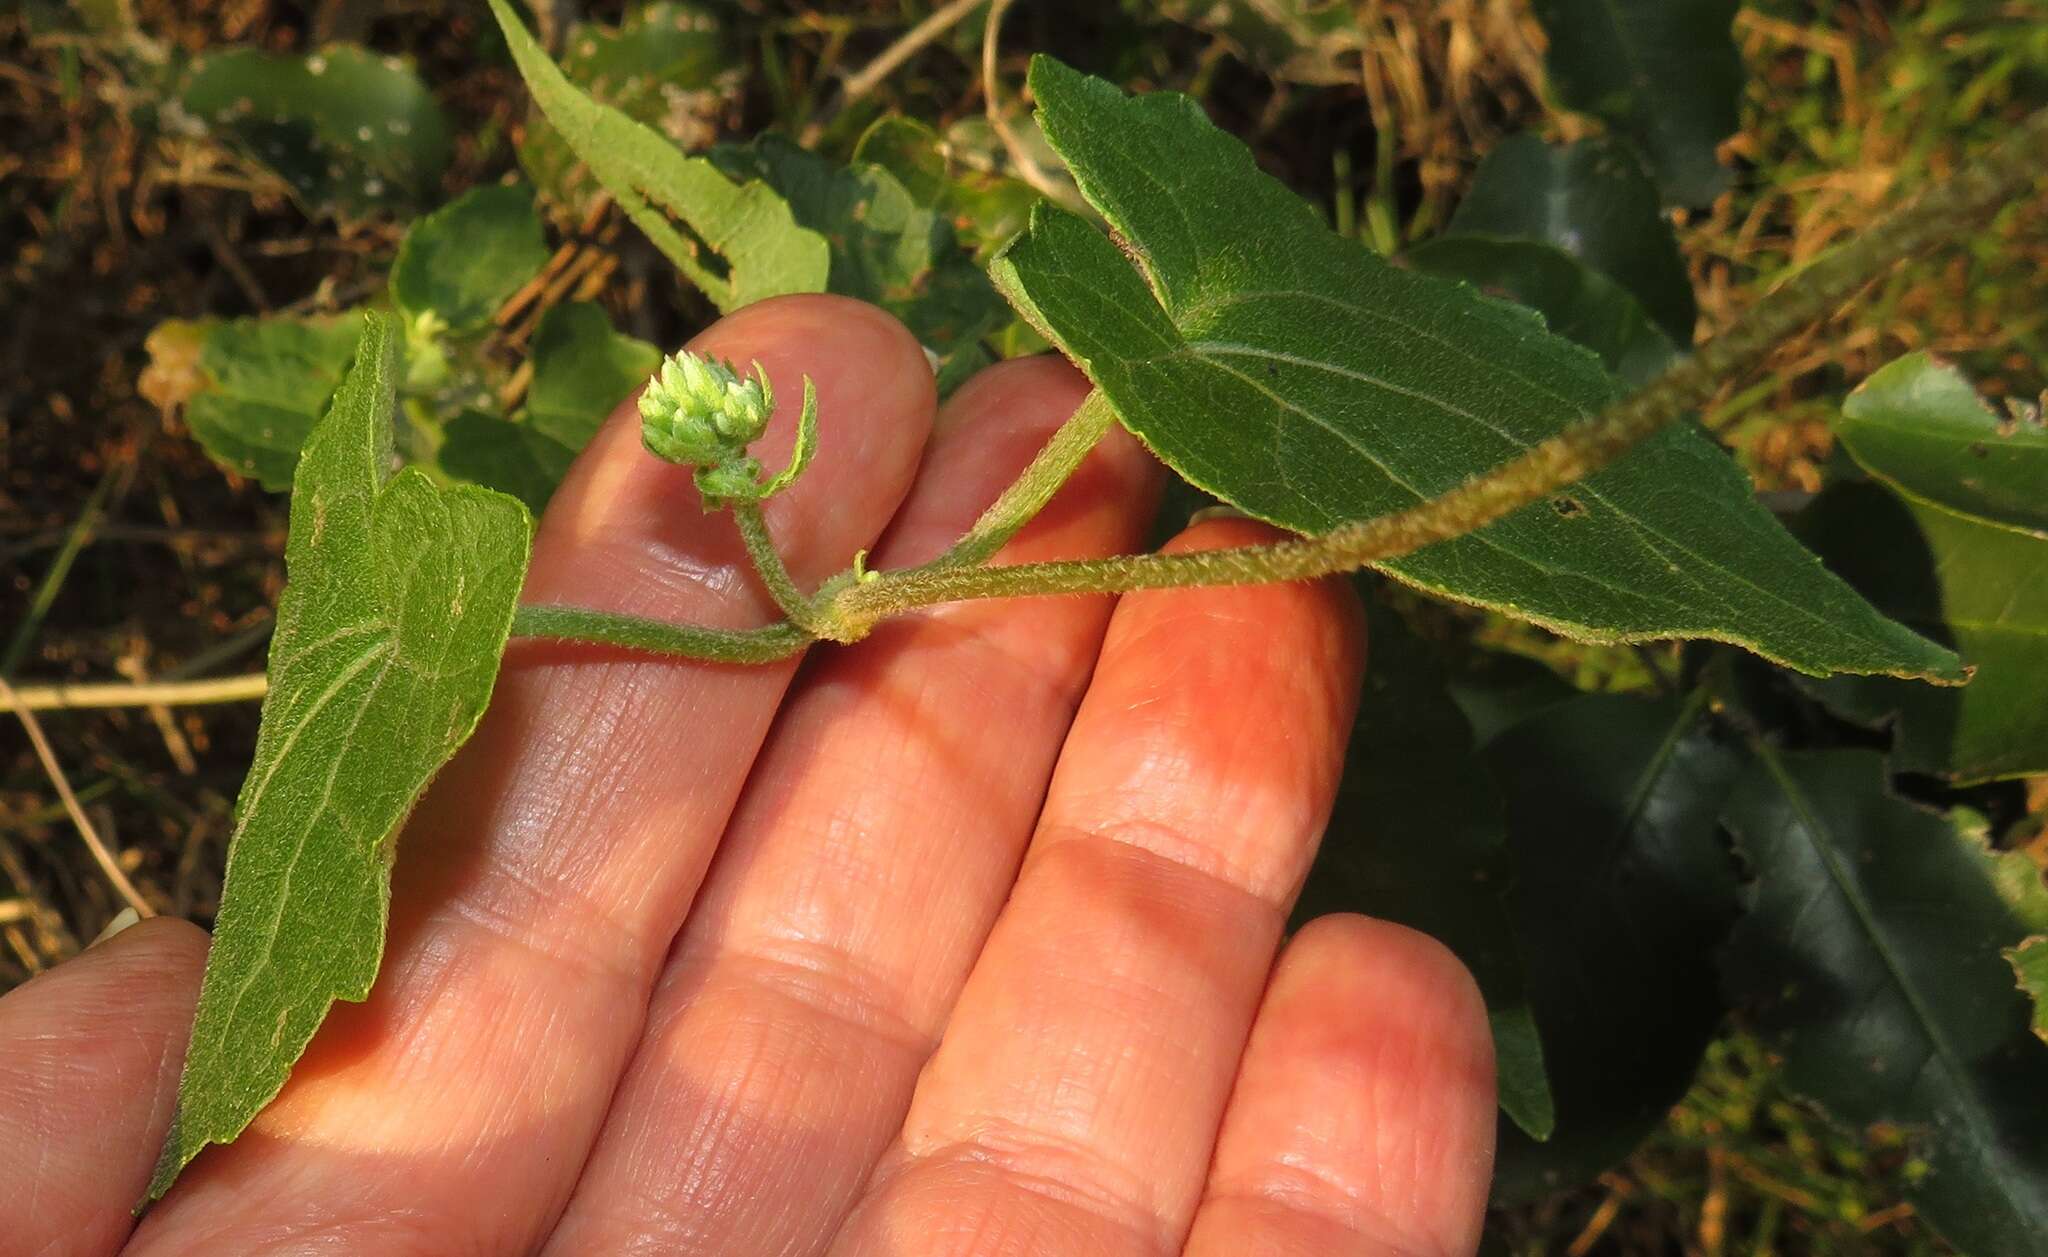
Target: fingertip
<point>1366,1096</point>
<point>1351,966</point>
<point>145,957</point>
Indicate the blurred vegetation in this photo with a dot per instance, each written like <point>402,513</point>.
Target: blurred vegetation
<point>125,553</point>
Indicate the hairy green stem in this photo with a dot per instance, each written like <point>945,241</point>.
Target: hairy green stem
<point>849,608</point>
<point>1029,492</point>
<point>781,586</point>
<point>1942,212</point>
<point>607,628</point>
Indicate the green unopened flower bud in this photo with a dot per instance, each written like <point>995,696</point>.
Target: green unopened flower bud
<point>700,411</point>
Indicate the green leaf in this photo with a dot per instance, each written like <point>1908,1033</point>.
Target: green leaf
<point>1576,301</point>
<point>349,131</point>
<point>738,243</point>
<point>398,603</point>
<point>513,458</point>
<point>266,382</point>
<point>886,248</point>
<point>1919,426</point>
<point>1980,587</point>
<point>1418,837</point>
<point>1667,75</point>
<point>1498,690</point>
<point>1622,890</point>
<point>2030,963</point>
<point>1871,954</point>
<point>464,260</point>
<point>987,210</point>
<point>1295,374</point>
<point>1301,41</point>
<point>582,370</point>
<point>669,66</point>
<point>1592,200</point>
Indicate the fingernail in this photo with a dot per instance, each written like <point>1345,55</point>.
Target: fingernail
<point>122,920</point>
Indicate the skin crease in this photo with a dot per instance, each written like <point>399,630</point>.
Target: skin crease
<point>960,940</point>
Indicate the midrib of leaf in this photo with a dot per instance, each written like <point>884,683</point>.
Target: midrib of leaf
<point>1653,772</point>
<point>379,650</point>
<point>1942,1050</point>
<point>1216,306</point>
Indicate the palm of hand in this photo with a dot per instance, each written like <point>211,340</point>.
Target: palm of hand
<point>957,941</point>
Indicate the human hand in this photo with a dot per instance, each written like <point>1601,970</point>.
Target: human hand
<point>960,940</point>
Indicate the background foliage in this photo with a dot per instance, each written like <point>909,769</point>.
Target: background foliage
<point>171,166</point>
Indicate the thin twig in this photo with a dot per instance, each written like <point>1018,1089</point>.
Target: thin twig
<point>870,76</point>
<point>1027,166</point>
<point>103,857</point>
<point>60,697</point>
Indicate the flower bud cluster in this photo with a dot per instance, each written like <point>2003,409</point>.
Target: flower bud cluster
<point>701,412</point>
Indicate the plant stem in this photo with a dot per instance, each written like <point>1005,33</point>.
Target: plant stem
<point>795,603</point>
<point>606,628</point>
<point>871,75</point>
<point>849,609</point>
<point>1975,192</point>
<point>1030,491</point>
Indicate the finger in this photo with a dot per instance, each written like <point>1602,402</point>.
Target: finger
<point>545,874</point>
<point>1072,1104</point>
<point>89,1056</point>
<point>874,844</point>
<point>1362,1121</point>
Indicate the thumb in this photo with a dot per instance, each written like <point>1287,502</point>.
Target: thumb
<point>89,1059</point>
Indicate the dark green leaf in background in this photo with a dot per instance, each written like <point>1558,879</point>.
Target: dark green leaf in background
<point>1295,374</point>
<point>987,209</point>
<point>398,601</point>
<point>887,248</point>
<point>1301,41</point>
<point>1592,200</point>
<point>737,243</point>
<point>349,131</point>
<point>1497,691</point>
<point>669,66</point>
<point>504,454</point>
<point>1919,426</point>
<point>464,260</point>
<point>1871,955</point>
<point>582,369</point>
<point>1982,588</point>
<point>1664,73</point>
<point>1576,301</point>
<point>267,380</point>
<point>1417,837</point>
<point>1622,890</point>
